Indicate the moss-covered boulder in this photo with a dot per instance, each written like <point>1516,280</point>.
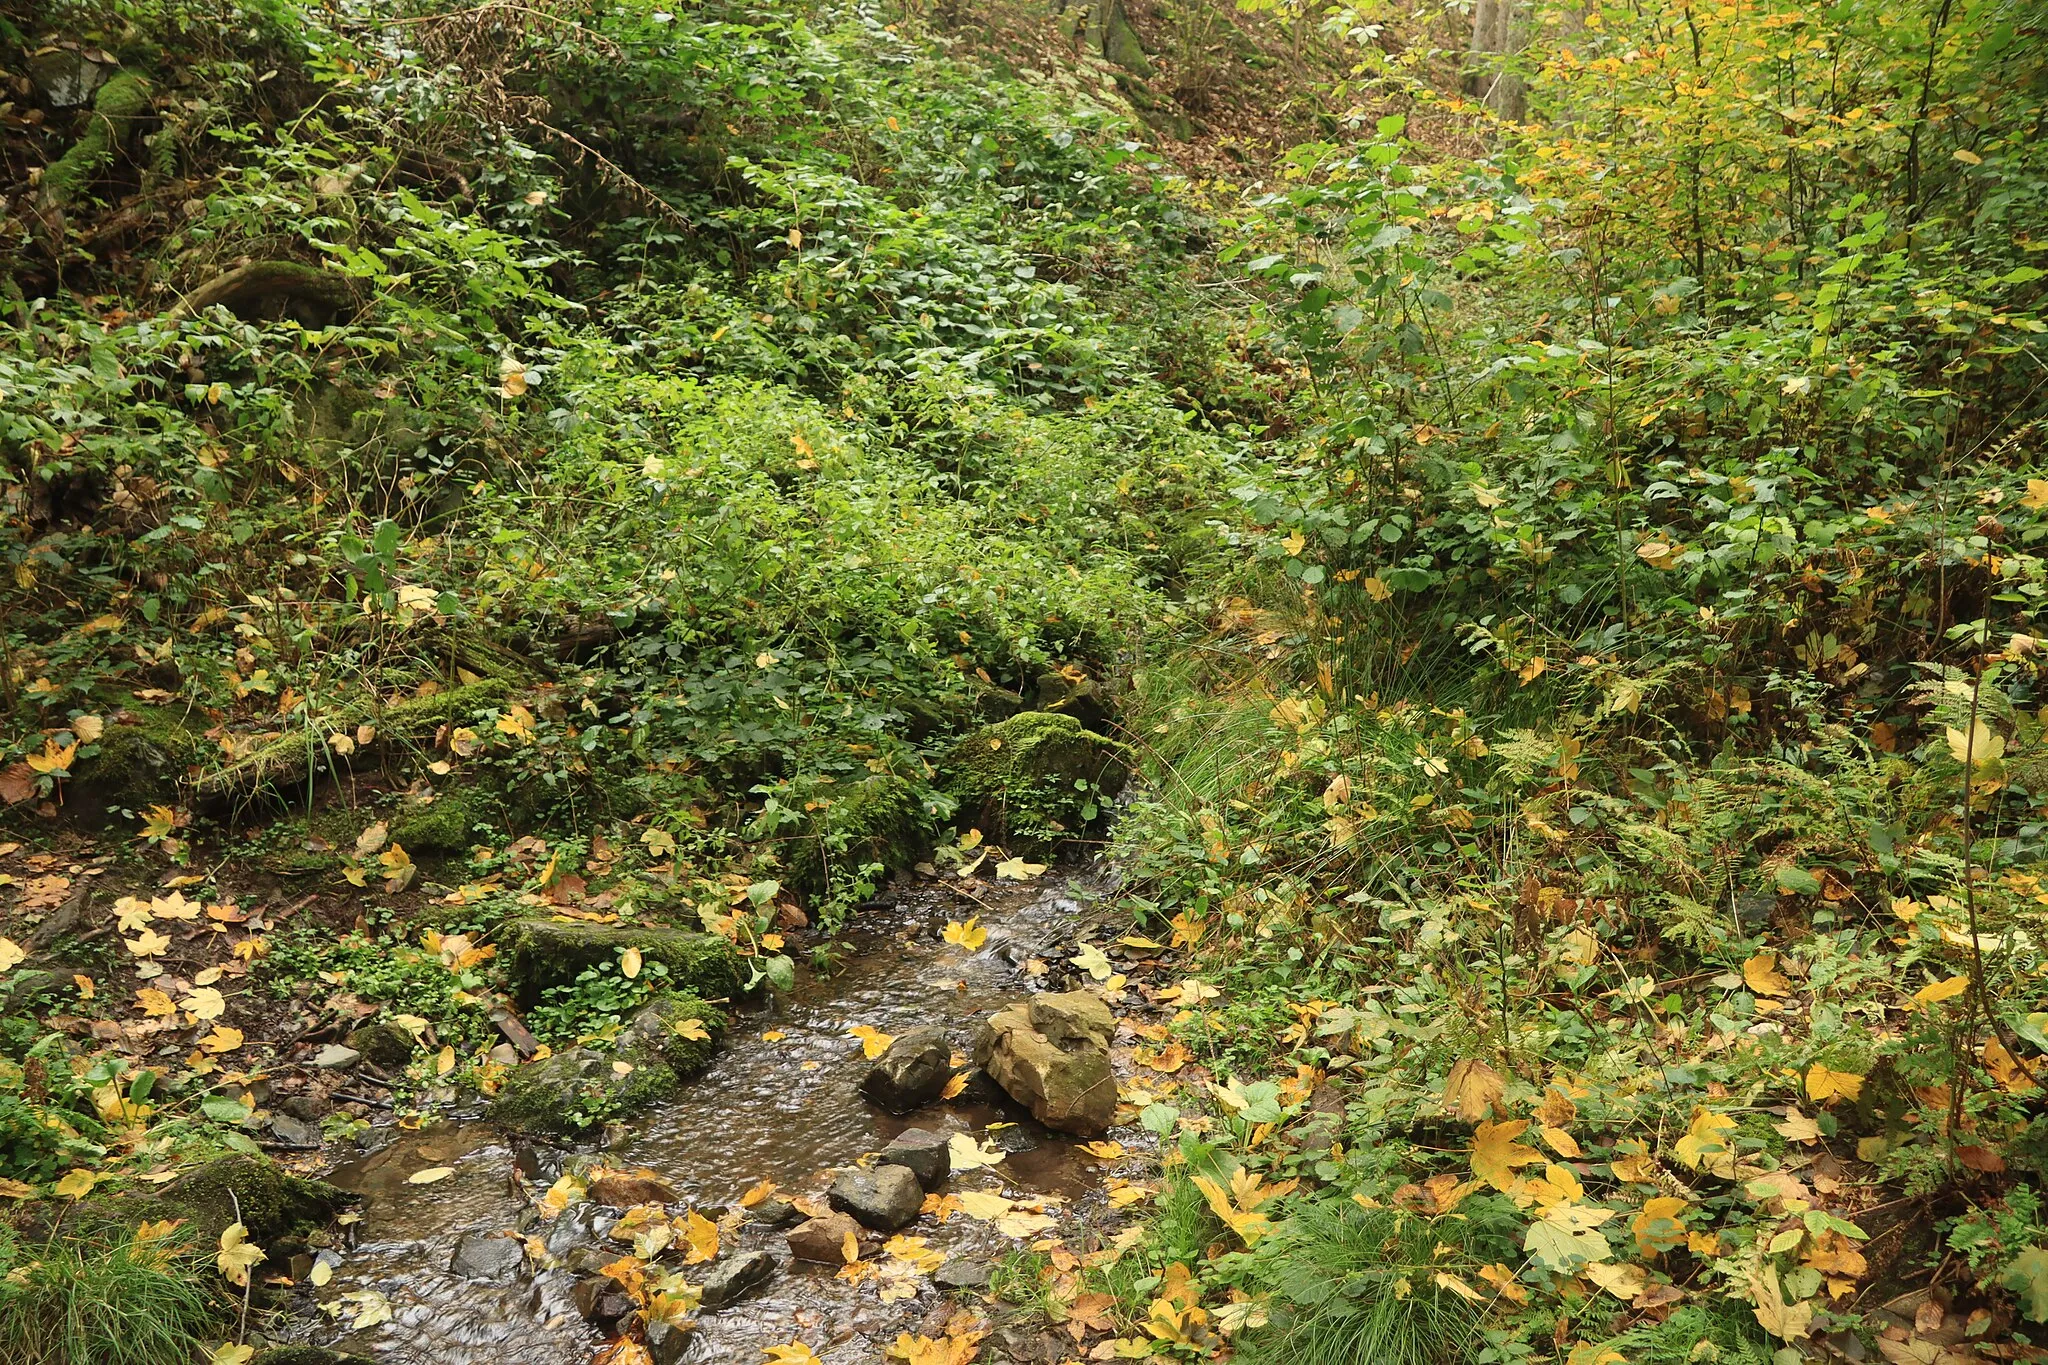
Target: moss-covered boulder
<point>144,756</point>
<point>446,824</point>
<point>1034,779</point>
<point>877,820</point>
<point>549,952</point>
<point>384,1045</point>
<point>669,1042</point>
<point>272,1203</point>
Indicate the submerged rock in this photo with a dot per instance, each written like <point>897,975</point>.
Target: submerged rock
<point>885,1198</point>
<point>624,1191</point>
<point>911,1073</point>
<point>737,1276</point>
<point>823,1239</point>
<point>545,952</point>
<point>921,1152</point>
<point>487,1256</point>
<point>962,1272</point>
<point>307,1355</point>
<point>1052,1056</point>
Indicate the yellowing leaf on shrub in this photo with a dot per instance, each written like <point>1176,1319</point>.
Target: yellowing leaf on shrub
<point>1762,975</point>
<point>238,1255</point>
<point>1939,991</point>
<point>1823,1084</point>
<point>1708,1144</point>
<point>873,1042</point>
<point>969,935</point>
<point>1496,1154</point>
<point>658,841</point>
<point>1978,745</point>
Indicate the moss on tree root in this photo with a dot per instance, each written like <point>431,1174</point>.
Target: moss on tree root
<point>115,108</point>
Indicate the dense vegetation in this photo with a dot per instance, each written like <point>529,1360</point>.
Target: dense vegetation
<point>1567,586</point>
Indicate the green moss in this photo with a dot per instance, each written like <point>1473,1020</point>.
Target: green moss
<point>140,764</point>
<point>877,820</point>
<point>447,824</point>
<point>543,952</point>
<point>271,1202</point>
<point>114,110</point>
<point>1033,779</point>
<point>283,762</point>
<point>577,1090</point>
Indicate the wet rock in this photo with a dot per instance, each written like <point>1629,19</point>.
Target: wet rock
<point>911,1073</point>
<point>487,1256</point>
<point>307,1355</point>
<point>773,1213</point>
<point>667,1344</point>
<point>921,1152</point>
<point>580,1226</point>
<point>735,1277</point>
<point>602,1301</point>
<point>821,1239</point>
<point>885,1198</point>
<point>978,1087</point>
<point>295,1132</point>
<point>309,1108</point>
<point>624,1191</point>
<point>335,1057</point>
<point>383,1045</point>
<point>543,952</point>
<point>1052,1056</point>
<point>504,1054</point>
<point>962,1272</point>
<point>681,1029</point>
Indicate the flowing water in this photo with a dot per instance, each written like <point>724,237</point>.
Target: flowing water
<point>785,1109</point>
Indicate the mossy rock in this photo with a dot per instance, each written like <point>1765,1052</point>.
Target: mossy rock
<point>139,764</point>
<point>1030,781</point>
<point>876,820</point>
<point>383,1045</point>
<point>545,952</point>
<point>580,1089</point>
<point>447,824</point>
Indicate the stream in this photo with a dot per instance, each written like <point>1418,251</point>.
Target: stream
<point>783,1108</point>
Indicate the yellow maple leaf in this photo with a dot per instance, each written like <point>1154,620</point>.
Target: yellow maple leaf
<point>1939,991</point>
<point>11,955</point>
<point>517,722</point>
<point>1762,975</point>
<point>1472,1089</point>
<point>204,1003</point>
<point>969,935</point>
<point>147,944</point>
<point>791,1353</point>
<point>1823,1084</point>
<point>757,1192</point>
<point>238,1255</point>
<point>873,1042</point>
<point>700,1235</point>
<point>1707,1144</point>
<point>53,760</point>
<point>77,1183</point>
<point>1495,1153</point>
<point>222,1039</point>
<point>690,1030</point>
<point>158,822</point>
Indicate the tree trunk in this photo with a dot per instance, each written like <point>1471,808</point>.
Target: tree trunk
<point>1496,35</point>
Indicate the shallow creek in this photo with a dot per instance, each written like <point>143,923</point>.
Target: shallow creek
<point>783,1108</point>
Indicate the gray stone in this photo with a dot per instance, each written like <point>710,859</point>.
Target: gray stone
<point>667,1343</point>
<point>921,1152</point>
<point>602,1301</point>
<point>911,1073</point>
<point>774,1213</point>
<point>885,1199</point>
<point>335,1057</point>
<point>962,1272</point>
<point>737,1276</point>
<point>487,1256</point>
<point>67,79</point>
<point>295,1132</point>
<point>822,1239</point>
